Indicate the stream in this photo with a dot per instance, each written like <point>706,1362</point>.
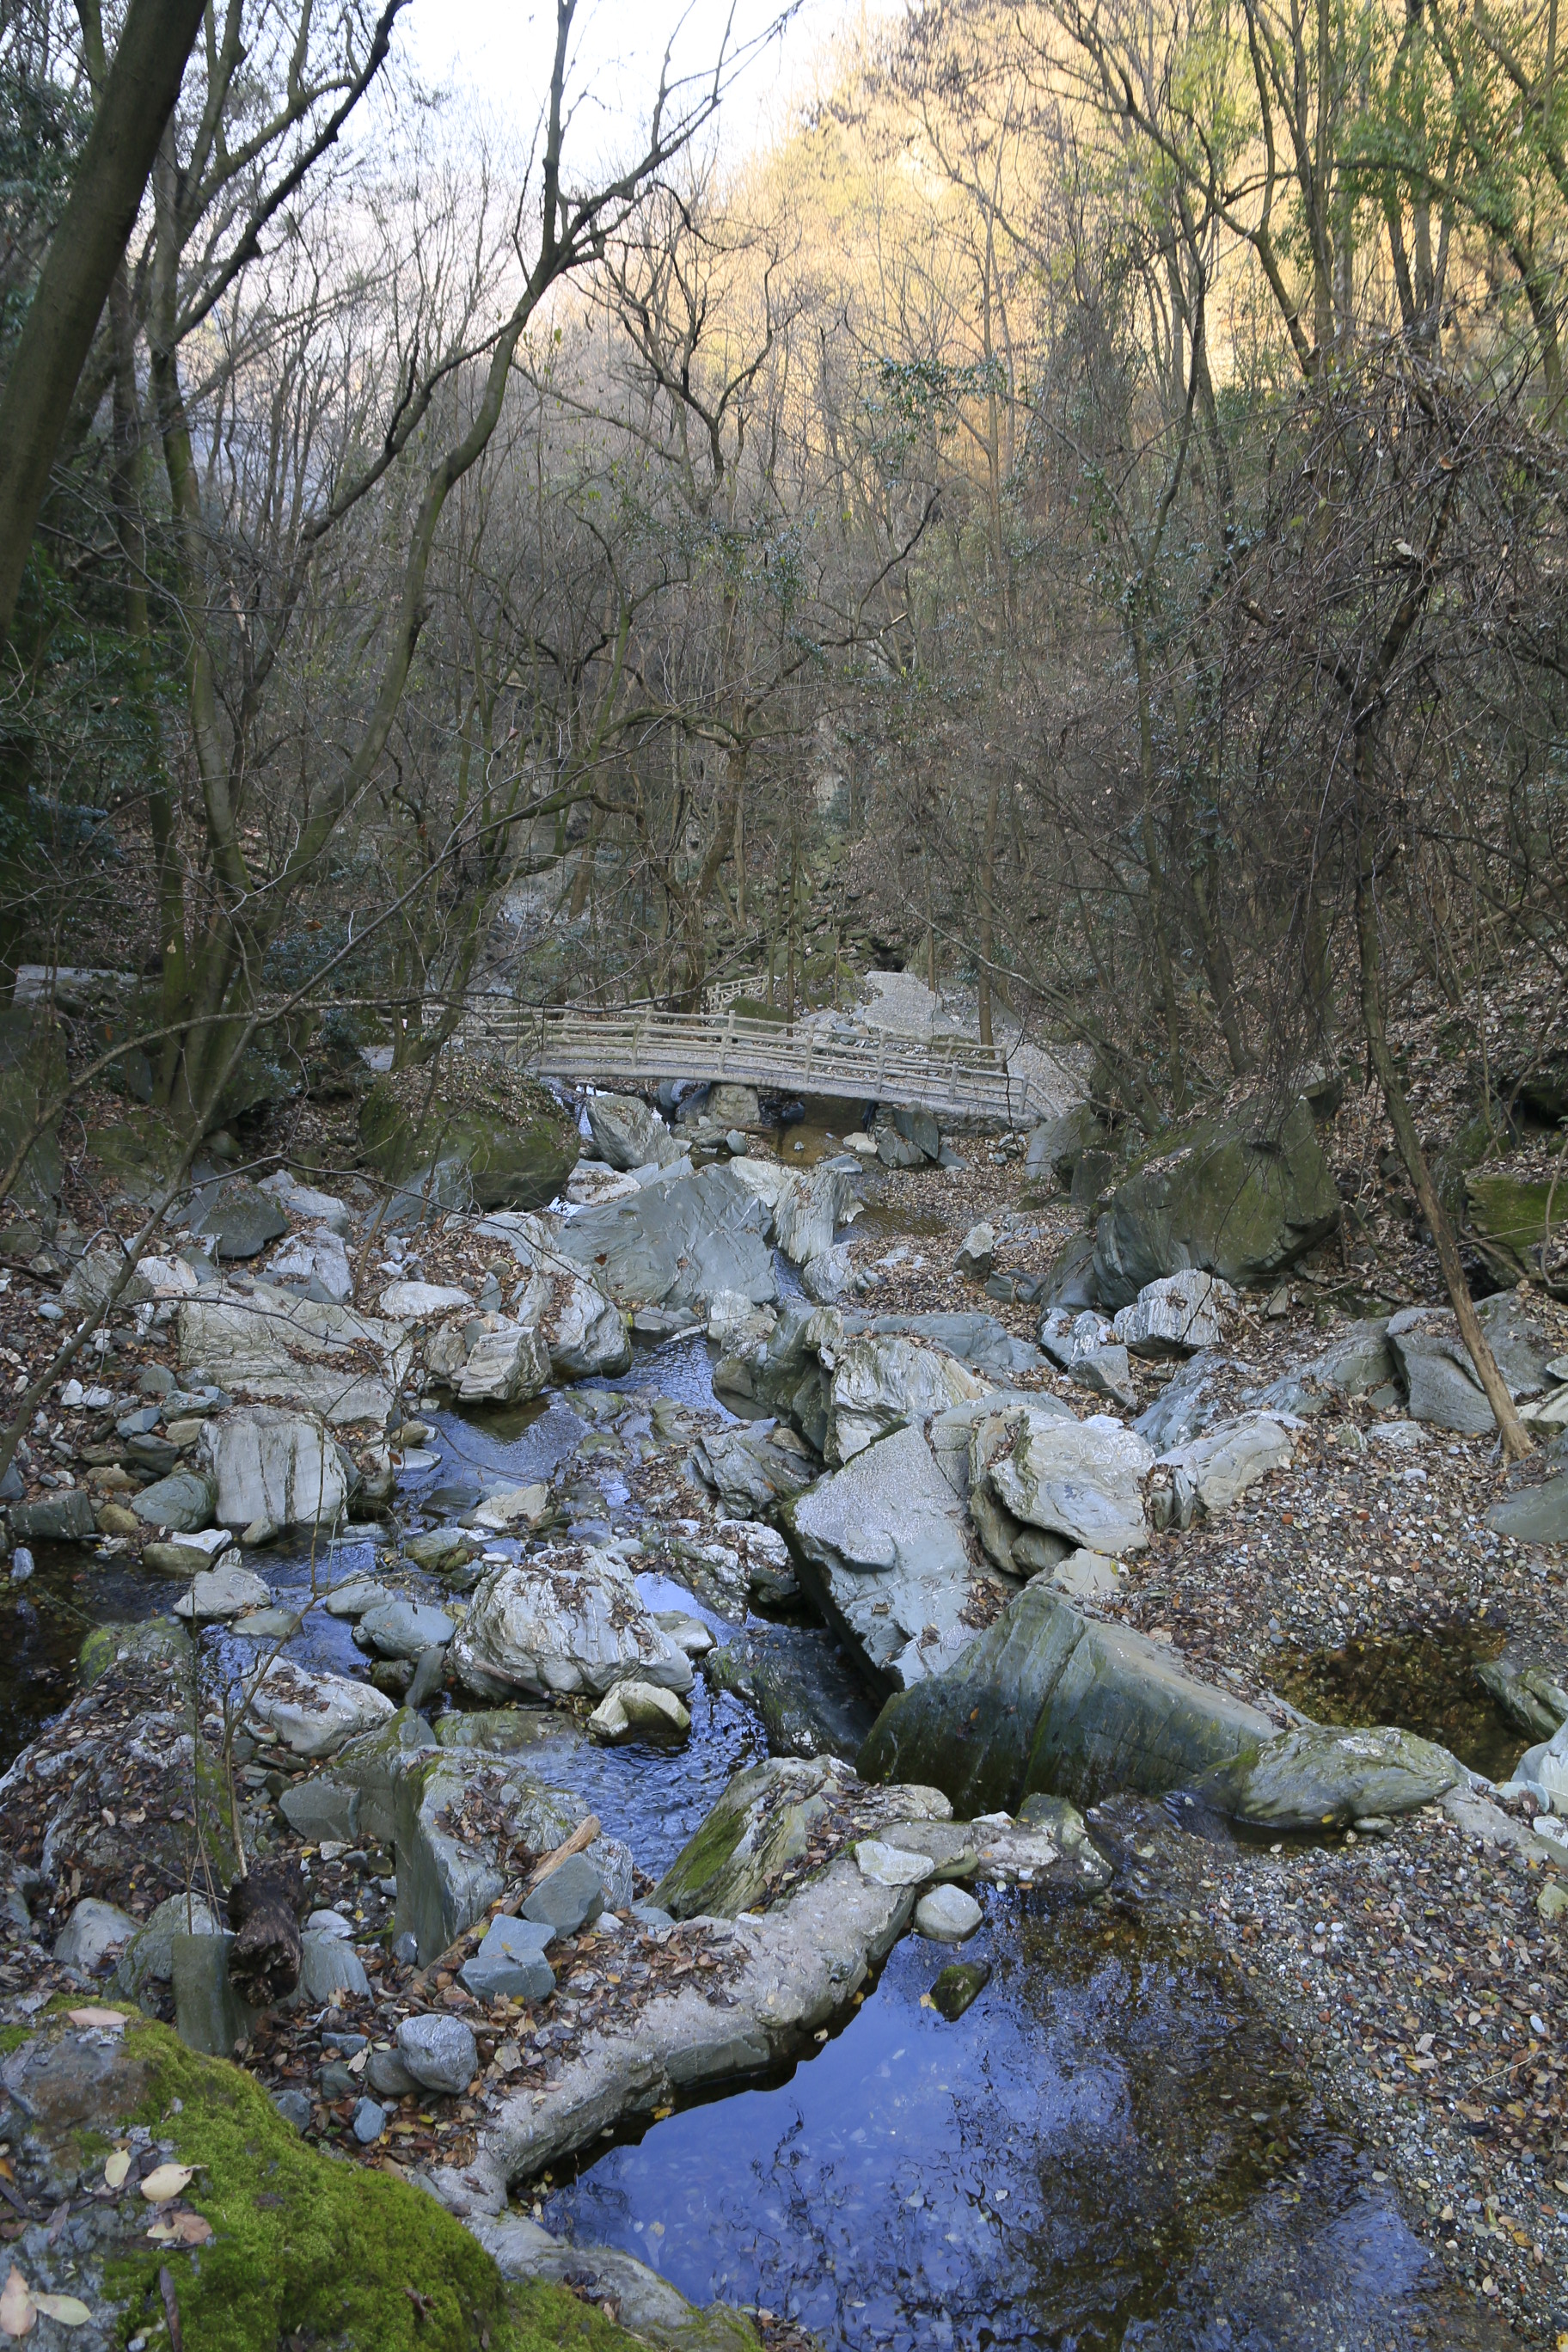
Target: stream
<point>1109,2148</point>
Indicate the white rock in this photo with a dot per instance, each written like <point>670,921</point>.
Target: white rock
<point>1087,1576</point>
<point>1175,1315</point>
<point>310,1207</point>
<point>219,1593</point>
<point>330,1923</point>
<point>272,1464</point>
<point>167,1277</point>
<point>510,1504</point>
<point>416,1302</point>
<point>630,1708</point>
<point>882,1382</point>
<point>891,1865</point>
<point>810,1210</point>
<point>739,1328</point>
<point>93,1930</point>
<point>947,1916</point>
<point>318,1257</point>
<point>1075,1479</point>
<point>565,1619</point>
<point>1215,1468</point>
<point>313,1714</point>
<point>506,1363</point>
<point>280,1347</point>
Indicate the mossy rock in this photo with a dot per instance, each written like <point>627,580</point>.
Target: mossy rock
<point>1243,1197</point>
<point>305,2247</point>
<point>154,1639</point>
<point>1508,1219</point>
<point>517,1143</point>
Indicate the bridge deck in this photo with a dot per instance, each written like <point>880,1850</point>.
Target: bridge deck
<point>639,1049</point>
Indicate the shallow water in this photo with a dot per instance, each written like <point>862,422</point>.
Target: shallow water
<point>1424,1682</point>
<point>1102,2137</point>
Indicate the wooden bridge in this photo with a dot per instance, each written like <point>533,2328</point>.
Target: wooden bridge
<point>640,1048</point>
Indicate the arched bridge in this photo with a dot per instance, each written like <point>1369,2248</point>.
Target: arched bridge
<point>639,1047</point>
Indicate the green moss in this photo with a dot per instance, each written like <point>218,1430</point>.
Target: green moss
<point>313,2248</point>
<point>12,2038</point>
<point>152,1641</point>
<point>511,1135</point>
<point>700,1861</point>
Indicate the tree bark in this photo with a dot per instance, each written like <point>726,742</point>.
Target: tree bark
<point>139,96</point>
<point>265,1961</point>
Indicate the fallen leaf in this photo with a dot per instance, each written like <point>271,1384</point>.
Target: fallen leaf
<point>116,2167</point>
<point>17,2313</point>
<point>182,2230</point>
<point>68,2309</point>
<point>111,2021</point>
<point>166,2181</point>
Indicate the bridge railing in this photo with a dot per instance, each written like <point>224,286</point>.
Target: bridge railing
<point>641,1045</point>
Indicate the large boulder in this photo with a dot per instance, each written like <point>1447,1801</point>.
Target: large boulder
<point>314,1714</point>
<point>810,1209</point>
<point>1317,1776</point>
<point>584,1329</point>
<point>982,1341</point>
<point>1441,1382</point>
<point>1242,1196</point>
<point>184,1502</point>
<point>460,1817</point>
<point>564,1621</point>
<point>1209,1473</point>
<point>1518,1225</point>
<point>880,1550</point>
<point>511,1135</point>
<point>277,1347</point>
<point>679,1243</point>
<point>765,1821</point>
<point>627,1134</point>
<point>1046,1699</point>
<point>268,1463</point>
<point>1076,1480</point>
<point>880,1383</point>
<point>754,1465</point>
<point>488,1359</point>
<point>238,1218</point>
<point>1535,1515</point>
<point>800,1685</point>
<point>1056,1145</point>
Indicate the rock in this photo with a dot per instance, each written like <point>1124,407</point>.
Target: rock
<point>753,1468</point>
<point>1056,1145</point>
<point>1078,1480</point>
<point>916,1131</point>
<point>763,1822</point>
<point>306,1205</point>
<point>810,1210</point>
<point>319,1260</point>
<point>369,2121</point>
<point>90,1280</point>
<point>1443,1388</point>
<point>645,2304</point>
<point>738,1327</point>
<point>1175,1315</point>
<point>439,2053</point>
<point>453,1857</point>
<point>238,1218</point>
<point>490,1360</point>
<point>1087,1576</point>
<point>593,1185</point>
<point>947,1916</point>
<point>92,1932</point>
<point>418,1302</point>
<point>680,1242</point>
<point>149,1957</point>
<point>440,1548</point>
<point>354,1596</point>
<point>227,1590</point>
<point>1317,1776</point>
<point>1535,1515</point>
<point>566,1620</point>
<point>1045,1699</point>
<point>1359,1363</point>
<point>404,1629</point>
<point>891,1866</point>
<point>429,1677</point>
<point>65,1518</point>
<point>584,1331</point>
<point>510,1961</point>
<point>280,1347</point>
<point>294,2106</point>
<point>639,1710</point>
<point>1069,1283</point>
<point>1105,1371</point>
<point>267,1462</point>
<point>515,1143</point>
<point>509,1507</point>
<point>981,1341</point>
<point>185,1500</point>
<point>1209,1474</point>
<point>879,1549</point>
<point>318,1809</point>
<point>571,1897</point>
<point>209,2015</point>
<point>197,1548</point>
<point>627,1134</point>
<point>976,1252</point>
<point>880,1384</point>
<point>1516,1222</point>
<point>313,1714</point>
<point>330,1968</point>
<point>1242,1196</point>
<point>801,1683</point>
<point>959,1986</point>
<point>830,1275</point>
<point>1186,1406</point>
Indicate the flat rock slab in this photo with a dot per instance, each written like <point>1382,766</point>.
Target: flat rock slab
<point>788,1973</point>
<point>278,1346</point>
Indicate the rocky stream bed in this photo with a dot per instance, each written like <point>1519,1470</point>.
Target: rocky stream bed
<point>820,1787</point>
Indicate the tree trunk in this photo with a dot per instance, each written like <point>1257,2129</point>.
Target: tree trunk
<point>87,248</point>
<point>1159,911</point>
<point>265,1960</point>
<point>987,877</point>
<point>1515,1437</point>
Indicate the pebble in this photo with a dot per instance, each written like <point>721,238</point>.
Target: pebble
<point>369,2122</point>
